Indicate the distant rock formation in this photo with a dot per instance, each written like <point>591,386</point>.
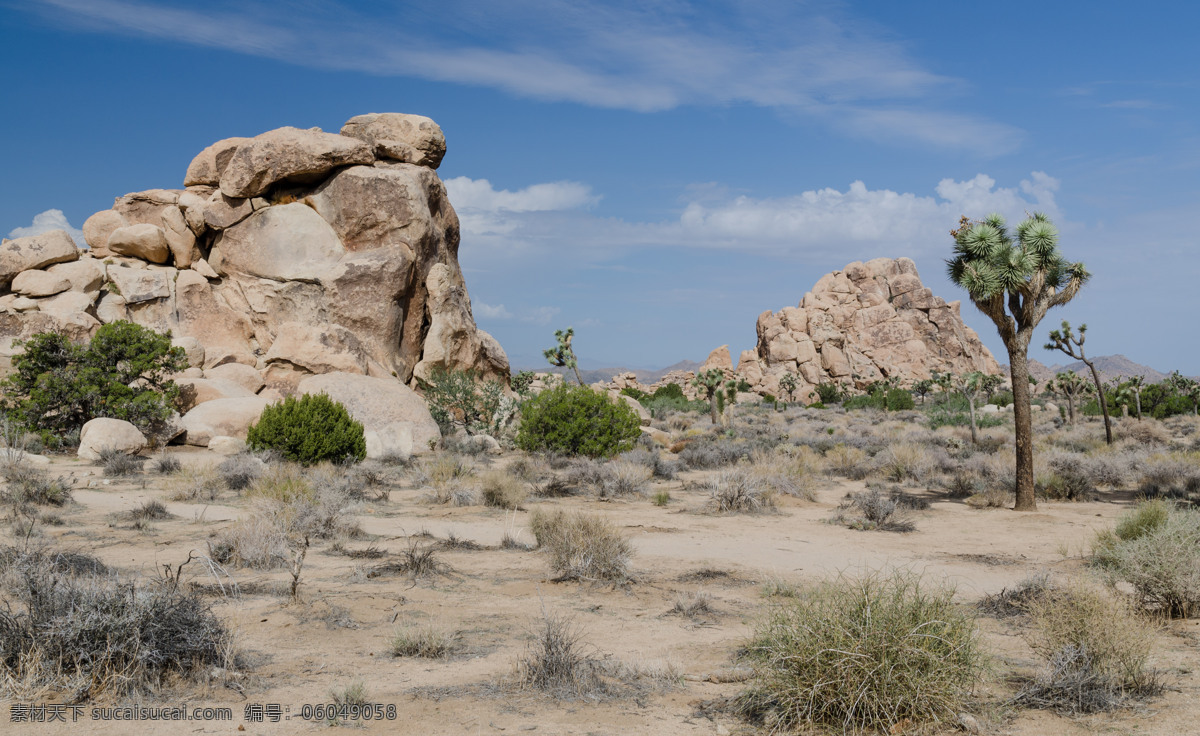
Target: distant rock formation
<point>295,252</point>
<point>867,322</point>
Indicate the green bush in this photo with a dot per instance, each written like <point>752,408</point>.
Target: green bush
<point>308,430</point>
<point>124,372</point>
<point>460,399</point>
<point>1002,398</point>
<point>864,654</point>
<point>899,400</point>
<point>575,420</point>
<point>1156,549</point>
<point>828,393</point>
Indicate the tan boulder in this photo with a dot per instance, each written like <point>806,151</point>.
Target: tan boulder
<point>145,208</point>
<point>111,308</point>
<point>412,139</point>
<point>225,333</point>
<point>383,406</point>
<point>208,165</point>
<point>794,319</point>
<point>288,154</point>
<point>318,348</point>
<point>196,391</point>
<point>230,417</point>
<point>287,242</point>
<point>35,251</point>
<point>224,445</point>
<point>70,306</point>
<point>101,434</point>
<point>180,238</point>
<point>453,341</point>
<point>39,283</point>
<point>834,361</point>
<point>85,275</point>
<point>140,285</point>
<point>221,212</point>
<point>632,403</point>
<point>98,228</point>
<point>244,375</point>
<point>144,241</point>
<point>192,348</point>
<point>718,358</point>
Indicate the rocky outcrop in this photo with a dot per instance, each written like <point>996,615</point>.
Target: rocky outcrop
<point>292,253</point>
<point>867,322</point>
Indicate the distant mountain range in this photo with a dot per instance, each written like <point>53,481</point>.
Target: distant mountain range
<point>1108,366</point>
<point>594,375</point>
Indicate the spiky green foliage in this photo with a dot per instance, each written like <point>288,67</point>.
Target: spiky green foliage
<point>308,430</point>
<point>788,383</point>
<point>1014,282</point>
<point>1070,343</point>
<point>710,382</point>
<point>575,420</point>
<point>123,372</point>
<point>1070,386</point>
<point>462,399</point>
<point>562,355</point>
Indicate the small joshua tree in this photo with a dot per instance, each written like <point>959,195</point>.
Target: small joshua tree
<point>1185,386</point>
<point>1068,342</point>
<point>710,382</point>
<point>923,387</point>
<point>1135,384</point>
<point>972,386</point>
<point>1070,386</point>
<point>1015,284</point>
<point>787,382</point>
<point>562,355</point>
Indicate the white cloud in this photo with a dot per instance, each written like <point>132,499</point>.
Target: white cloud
<point>858,222</point>
<point>810,58</point>
<point>540,315</point>
<point>47,221</point>
<point>478,194</point>
<point>487,311</point>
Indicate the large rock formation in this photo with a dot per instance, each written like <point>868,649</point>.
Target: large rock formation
<point>294,253</point>
<point>867,322</point>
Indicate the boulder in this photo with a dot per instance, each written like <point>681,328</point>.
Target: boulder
<point>192,348</point>
<point>379,404</point>
<point>243,375</point>
<point>39,283</point>
<point>658,435</point>
<point>222,212</point>
<point>144,241</point>
<point>632,403</point>
<point>318,348</point>
<point>225,332</point>
<point>288,154</point>
<point>136,285</point>
<point>208,165</point>
<point>719,358</point>
<point>288,242</point>
<point>180,238</point>
<point>101,434</point>
<point>68,305</point>
<point>85,275</point>
<point>225,445</point>
<point>196,391</point>
<point>99,227</point>
<point>35,251</point>
<point>111,309</point>
<point>229,417</point>
<point>412,139</point>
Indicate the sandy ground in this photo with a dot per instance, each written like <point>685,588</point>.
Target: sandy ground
<point>338,634</point>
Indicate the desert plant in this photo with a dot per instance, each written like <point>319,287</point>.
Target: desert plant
<point>557,661</point>
<point>424,641</point>
<point>575,420</point>
<point>1015,285</point>
<point>117,463</point>
<point>871,509</point>
<point>788,384</point>
<point>461,399</point>
<point>308,430</point>
<point>1071,387</point>
<point>1015,601</point>
<point>240,471</point>
<point>876,652</point>
<point>1156,549</point>
<point>502,490</point>
<point>1095,648</point>
<point>1066,341</point>
<point>195,484</point>
<point>738,491</point>
<point>562,355</point>
<point>124,372</point>
<point>618,478</point>
<point>710,382</point>
<point>30,485</point>
<point>581,546</point>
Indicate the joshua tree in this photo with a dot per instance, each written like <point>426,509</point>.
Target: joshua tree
<point>1015,284</point>
<point>1135,384</point>
<point>1185,386</point>
<point>923,387</point>
<point>1071,386</point>
<point>562,355</point>
<point>787,382</point>
<point>972,386</point>
<point>1072,344</point>
<point>710,382</point>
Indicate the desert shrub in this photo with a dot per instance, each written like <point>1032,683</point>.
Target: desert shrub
<point>123,372</point>
<point>582,546</point>
<point>152,510</point>
<point>575,420</point>
<point>282,482</point>
<point>704,453</point>
<point>872,509</point>
<point>27,484</point>
<point>1002,398</point>
<point>848,461</point>
<point>417,561</point>
<point>195,484</point>
<point>660,466</point>
<point>461,399</point>
<point>557,661</point>
<point>424,641</point>
<point>1067,481</point>
<point>1095,649</point>
<point>308,430</point>
<point>828,393</point>
<point>1156,549</point>
<point>872,653</point>
<point>618,478</point>
<point>1171,476</point>
<point>692,605</point>
<point>502,490</point>
<point>239,471</point>
<point>738,490</point>
<point>897,399</point>
<point>993,497</point>
<point>166,464</point>
<point>253,542</point>
<point>789,477</point>
<point>906,461</point>
<point>91,633</point>
<point>117,464</point>
<point>1015,601</point>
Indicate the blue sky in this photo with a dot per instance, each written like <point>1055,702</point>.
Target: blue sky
<point>658,174</point>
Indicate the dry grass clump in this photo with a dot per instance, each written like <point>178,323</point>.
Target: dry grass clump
<point>166,464</point>
<point>621,478</point>
<point>1095,648</point>
<point>558,662</point>
<point>991,498</point>
<point>255,542</point>
<point>693,605</point>
<point>29,485</point>
<point>1156,549</point>
<point>152,510</point>
<point>117,464</point>
<point>447,475</point>
<point>282,482</point>
<point>873,510</point>
<point>1174,475</point>
<point>784,474</point>
<point>424,641</point>
<point>239,471</point>
<point>418,561</point>
<point>661,467</point>
<point>582,546</point>
<point>502,490</point>
<point>850,462</point>
<point>738,490</point>
<point>1145,433</point>
<point>906,461</point>
<point>864,654</point>
<point>87,634</point>
<point>1015,601</point>
<point>200,483</point>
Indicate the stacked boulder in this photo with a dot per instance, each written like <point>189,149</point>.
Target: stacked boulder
<point>292,254</point>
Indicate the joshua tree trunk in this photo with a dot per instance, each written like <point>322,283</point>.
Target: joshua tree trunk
<point>974,428</point>
<point>712,409</point>
<point>1018,359</point>
<point>1071,409</point>
<point>1137,397</point>
<point>1103,401</point>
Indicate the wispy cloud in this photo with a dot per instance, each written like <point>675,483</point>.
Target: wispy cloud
<point>858,222</point>
<point>47,221</point>
<point>809,58</point>
<point>487,311</point>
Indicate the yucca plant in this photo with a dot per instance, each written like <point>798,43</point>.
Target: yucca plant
<point>1015,283</point>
